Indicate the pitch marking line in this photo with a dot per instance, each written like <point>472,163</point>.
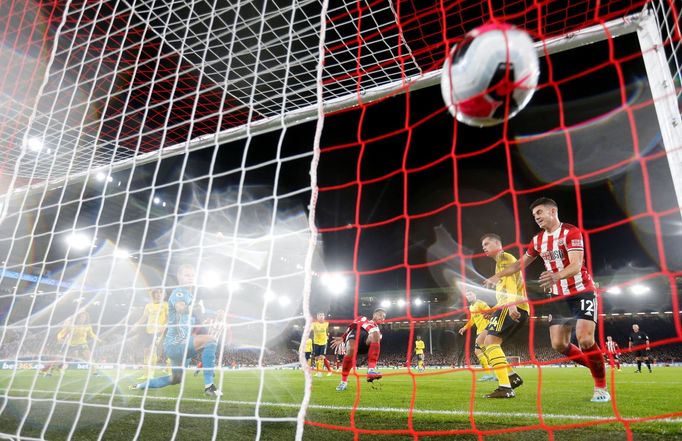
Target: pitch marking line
<point>361,409</point>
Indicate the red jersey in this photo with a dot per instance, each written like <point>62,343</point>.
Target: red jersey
<point>364,323</point>
<point>554,248</point>
<point>612,347</point>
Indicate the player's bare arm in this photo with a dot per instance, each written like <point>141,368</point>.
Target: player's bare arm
<point>513,268</point>
<point>549,278</point>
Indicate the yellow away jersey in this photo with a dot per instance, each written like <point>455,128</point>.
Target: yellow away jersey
<point>157,317</point>
<point>476,309</point>
<point>419,347</point>
<point>510,289</point>
<point>320,333</point>
<point>77,334</point>
<point>309,345</point>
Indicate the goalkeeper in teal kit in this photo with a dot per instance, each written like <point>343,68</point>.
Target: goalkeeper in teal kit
<point>179,344</point>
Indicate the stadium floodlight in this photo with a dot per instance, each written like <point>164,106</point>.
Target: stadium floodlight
<point>283,300</point>
<point>639,289</point>
<point>78,241</point>
<point>385,303</point>
<point>100,176</point>
<point>334,282</point>
<point>121,253</point>
<point>401,303</point>
<point>269,296</point>
<point>614,290</point>
<point>157,200</point>
<point>34,144</point>
<point>210,279</point>
<point>418,301</point>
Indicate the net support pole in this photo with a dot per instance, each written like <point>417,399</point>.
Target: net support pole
<point>664,96</point>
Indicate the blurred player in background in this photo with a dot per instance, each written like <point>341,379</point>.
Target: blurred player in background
<point>567,280</point>
<point>180,344</point>
<point>478,309</point>
<point>613,352</point>
<point>309,351</point>
<point>75,336</point>
<point>419,353</point>
<point>640,338</point>
<point>320,329</point>
<point>510,312</point>
<point>154,318</point>
<point>340,352</point>
<point>363,336</point>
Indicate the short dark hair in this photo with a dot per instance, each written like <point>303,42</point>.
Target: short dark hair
<point>491,236</point>
<point>543,201</point>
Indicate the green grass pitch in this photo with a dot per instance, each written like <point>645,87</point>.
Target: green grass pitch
<point>442,407</point>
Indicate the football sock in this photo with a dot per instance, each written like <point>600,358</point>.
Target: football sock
<point>483,360</point>
<point>155,383</point>
<point>596,365</point>
<point>373,355</point>
<point>208,362</point>
<point>498,361</point>
<point>326,364</point>
<point>420,364</point>
<point>346,367</point>
<point>574,351</point>
<point>648,364</point>
<point>639,365</point>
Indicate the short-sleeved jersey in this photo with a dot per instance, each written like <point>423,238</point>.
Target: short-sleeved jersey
<point>179,325</point>
<point>363,323</point>
<point>76,335</point>
<point>638,338</point>
<point>419,347</point>
<point>320,332</point>
<point>510,289</point>
<point>553,248</point>
<point>612,347</point>
<point>476,318</point>
<point>309,345</point>
<point>157,317</point>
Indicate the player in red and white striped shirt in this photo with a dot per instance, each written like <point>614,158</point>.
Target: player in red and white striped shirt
<point>363,336</point>
<point>613,352</point>
<point>340,352</point>
<point>567,280</point>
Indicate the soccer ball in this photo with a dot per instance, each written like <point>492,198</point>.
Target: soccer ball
<point>493,72</point>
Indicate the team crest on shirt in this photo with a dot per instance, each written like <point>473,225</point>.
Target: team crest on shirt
<point>561,242</point>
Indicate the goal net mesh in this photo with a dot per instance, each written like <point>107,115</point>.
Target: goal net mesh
<point>297,155</point>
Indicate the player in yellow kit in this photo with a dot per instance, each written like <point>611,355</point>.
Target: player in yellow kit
<point>155,319</point>
<point>478,309</point>
<point>320,337</point>
<point>75,336</point>
<point>308,351</point>
<point>511,311</point>
<point>419,353</point>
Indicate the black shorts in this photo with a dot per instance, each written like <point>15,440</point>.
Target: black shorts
<point>420,357</point>
<point>147,339</point>
<point>502,325</point>
<point>641,354</point>
<point>307,355</point>
<point>339,357</point>
<point>78,349</point>
<point>567,310</point>
<point>360,343</point>
<point>319,350</point>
